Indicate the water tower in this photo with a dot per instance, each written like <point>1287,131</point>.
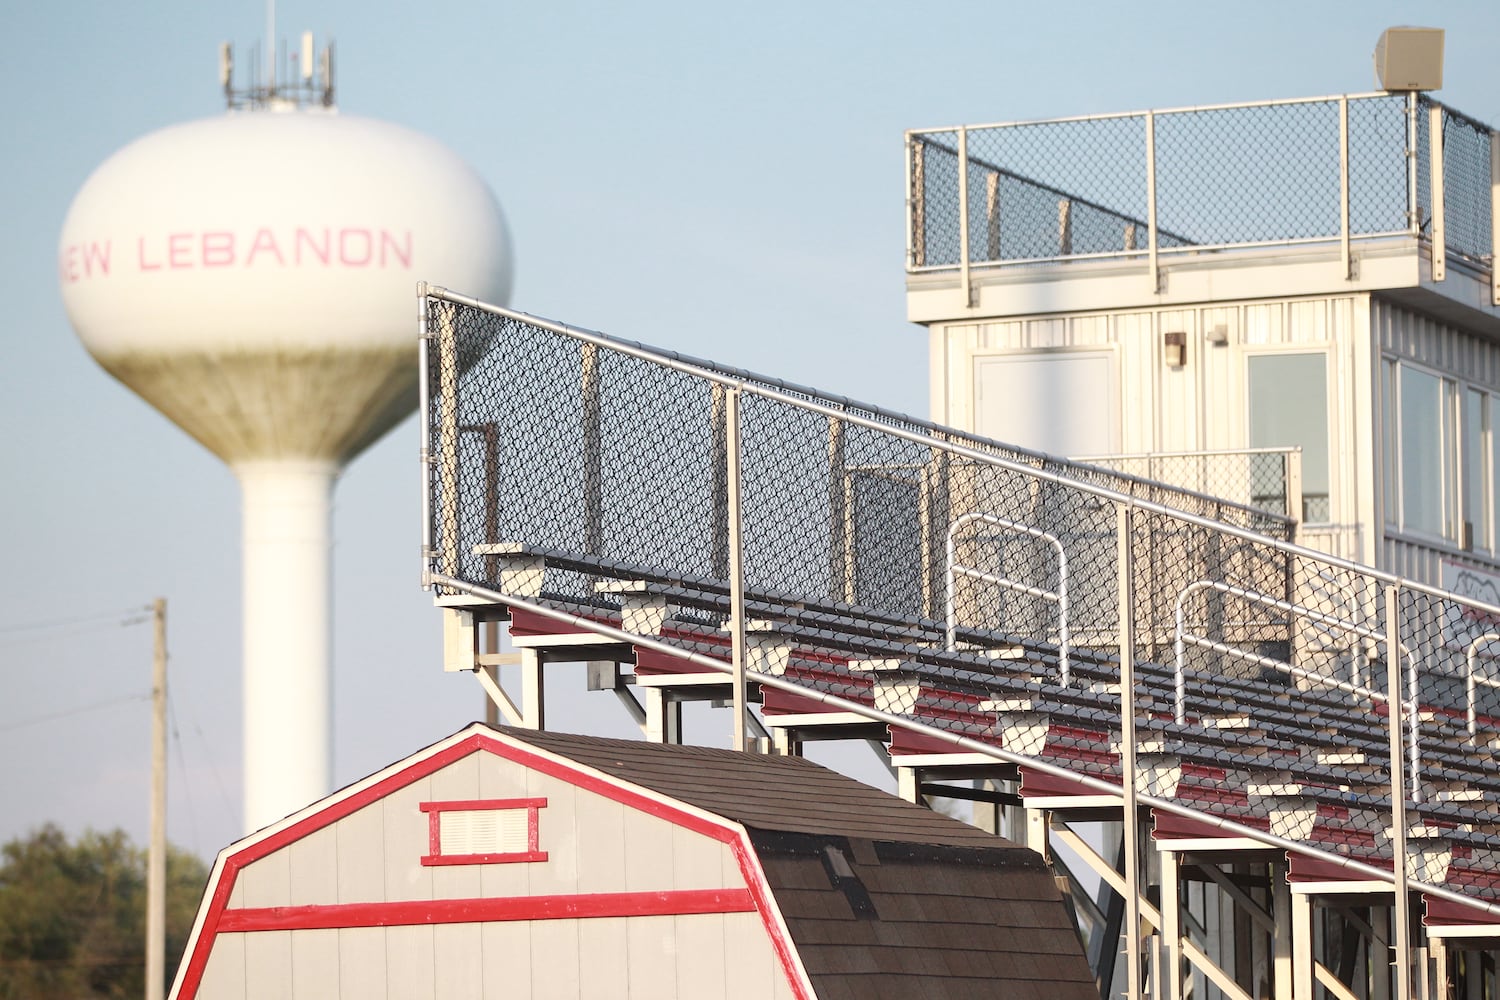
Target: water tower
<point>252,276</point>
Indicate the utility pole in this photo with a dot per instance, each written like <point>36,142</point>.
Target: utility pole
<point>156,856</point>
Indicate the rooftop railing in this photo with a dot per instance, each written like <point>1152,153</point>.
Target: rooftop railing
<point>991,578</point>
<point>1148,185</point>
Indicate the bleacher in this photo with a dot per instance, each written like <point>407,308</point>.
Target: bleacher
<point>910,584</point>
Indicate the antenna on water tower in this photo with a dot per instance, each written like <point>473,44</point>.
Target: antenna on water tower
<point>262,301</point>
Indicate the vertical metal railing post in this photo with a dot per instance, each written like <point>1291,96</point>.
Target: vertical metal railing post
<point>917,217</point>
<point>736,561</point>
<point>1435,188</point>
<point>1294,504</point>
<point>1152,264</point>
<point>425,433</point>
<point>1346,258</point>
<point>447,458</point>
<point>840,517</point>
<point>1413,210</point>
<point>1495,217</point>
<point>1400,911</point>
<point>718,529</point>
<point>1130,817</point>
<point>992,215</point>
<point>593,452</point>
<point>963,217</point>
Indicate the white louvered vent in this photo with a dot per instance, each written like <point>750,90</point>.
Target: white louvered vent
<point>483,831</point>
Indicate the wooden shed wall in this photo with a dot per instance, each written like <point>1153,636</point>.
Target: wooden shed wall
<point>596,846</point>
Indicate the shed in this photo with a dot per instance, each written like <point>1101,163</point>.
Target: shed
<point>502,862</point>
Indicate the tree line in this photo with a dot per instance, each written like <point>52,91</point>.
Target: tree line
<point>73,914</point>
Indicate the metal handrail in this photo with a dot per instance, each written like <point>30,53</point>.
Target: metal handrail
<point>1181,637</point>
<point>1059,597</point>
<point>1469,681</point>
<point>1007,756</point>
<point>939,442</point>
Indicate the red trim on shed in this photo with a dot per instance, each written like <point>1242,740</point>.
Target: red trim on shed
<point>672,903</point>
<point>721,830</point>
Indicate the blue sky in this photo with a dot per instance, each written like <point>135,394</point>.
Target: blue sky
<point>722,180</point>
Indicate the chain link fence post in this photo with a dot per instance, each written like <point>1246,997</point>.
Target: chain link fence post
<point>1435,186</point>
<point>1153,265</point>
<point>965,281</point>
<point>1495,217</point>
<point>424,416</point>
<point>736,560</point>
<point>447,457</point>
<point>1400,910</point>
<point>1346,257</point>
<point>1130,816</point>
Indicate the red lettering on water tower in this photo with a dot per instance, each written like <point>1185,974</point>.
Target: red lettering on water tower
<point>218,249</point>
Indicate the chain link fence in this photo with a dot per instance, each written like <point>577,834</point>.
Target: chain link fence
<point>1243,175</point>
<point>1266,478</point>
<point>965,586</point>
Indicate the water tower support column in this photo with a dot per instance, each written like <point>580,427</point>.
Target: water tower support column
<point>287,662</point>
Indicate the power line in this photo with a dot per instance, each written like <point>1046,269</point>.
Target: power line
<point>37,720</point>
<point>129,616</point>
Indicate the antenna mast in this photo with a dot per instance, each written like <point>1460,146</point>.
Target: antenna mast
<point>310,85</point>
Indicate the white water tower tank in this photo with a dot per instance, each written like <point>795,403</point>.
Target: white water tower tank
<point>253,277</point>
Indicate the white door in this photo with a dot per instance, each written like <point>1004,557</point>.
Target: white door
<point>1059,402</point>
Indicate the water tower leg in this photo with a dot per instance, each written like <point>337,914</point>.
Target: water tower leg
<point>287,641</point>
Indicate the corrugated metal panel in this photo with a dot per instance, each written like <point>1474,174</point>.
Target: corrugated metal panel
<point>1412,335</point>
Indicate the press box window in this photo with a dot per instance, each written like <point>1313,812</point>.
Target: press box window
<point>483,831</point>
<point>1288,396</point>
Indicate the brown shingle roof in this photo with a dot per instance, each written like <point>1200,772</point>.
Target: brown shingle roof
<point>765,792</point>
<point>883,898</point>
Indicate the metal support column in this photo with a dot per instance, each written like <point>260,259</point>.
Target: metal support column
<point>1281,936</point>
<point>1400,907</point>
<point>1125,564</point>
<point>533,691</point>
<point>663,718</point>
<point>1303,957</point>
<point>736,563</point>
<point>1169,974</point>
